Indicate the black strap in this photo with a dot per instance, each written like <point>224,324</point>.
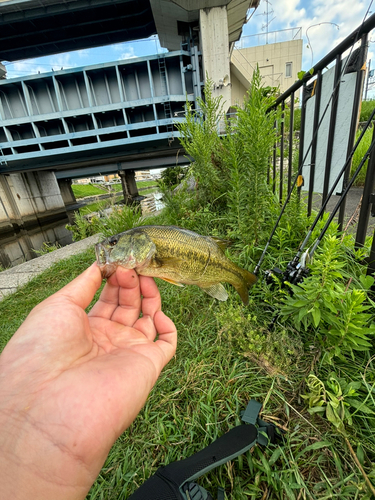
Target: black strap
<point>176,480</point>
<point>166,484</point>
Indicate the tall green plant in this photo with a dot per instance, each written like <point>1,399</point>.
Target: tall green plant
<point>200,139</point>
<point>248,147</point>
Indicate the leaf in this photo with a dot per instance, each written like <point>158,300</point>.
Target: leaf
<point>314,446</point>
<point>333,417</point>
<point>316,316</point>
<point>360,454</point>
<point>316,409</point>
<point>360,406</point>
<point>367,281</point>
<point>275,456</point>
<point>301,74</point>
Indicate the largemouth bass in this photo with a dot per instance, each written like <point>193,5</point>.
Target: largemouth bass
<point>176,255</point>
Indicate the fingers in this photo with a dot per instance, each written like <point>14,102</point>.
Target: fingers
<point>151,301</point>
<point>167,341</point>
<point>82,289</point>
<point>120,299</point>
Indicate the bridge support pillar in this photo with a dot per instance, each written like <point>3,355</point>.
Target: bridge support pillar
<point>66,191</point>
<point>32,211</point>
<point>215,50</point>
<point>129,186</point>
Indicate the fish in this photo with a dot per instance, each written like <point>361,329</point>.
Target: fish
<point>176,255</point>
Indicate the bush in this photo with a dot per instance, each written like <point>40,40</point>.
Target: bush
<point>332,305</point>
<point>172,176</point>
<point>200,139</point>
<point>247,148</point>
<point>359,154</point>
<point>275,350</point>
<point>121,219</point>
<point>367,108</point>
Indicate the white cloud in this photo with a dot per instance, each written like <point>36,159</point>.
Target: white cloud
<point>315,18</point>
<point>128,54</point>
<point>61,61</point>
<point>118,47</point>
<point>83,53</point>
<point>22,68</point>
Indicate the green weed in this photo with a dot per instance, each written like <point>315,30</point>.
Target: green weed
<point>359,154</point>
<point>328,304</point>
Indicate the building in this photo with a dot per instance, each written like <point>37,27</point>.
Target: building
<point>279,61</point>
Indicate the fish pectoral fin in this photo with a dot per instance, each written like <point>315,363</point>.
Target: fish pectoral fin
<point>216,291</point>
<point>168,280</point>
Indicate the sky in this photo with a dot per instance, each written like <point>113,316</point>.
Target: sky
<point>323,23</point>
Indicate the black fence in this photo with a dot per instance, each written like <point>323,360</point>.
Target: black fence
<point>325,108</point>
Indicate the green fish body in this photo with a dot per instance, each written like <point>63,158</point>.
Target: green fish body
<point>176,255</point>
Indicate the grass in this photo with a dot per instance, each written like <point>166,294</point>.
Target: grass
<point>359,154</point>
<point>199,396</point>
<point>149,191</point>
<point>82,190</point>
<point>116,188</point>
<point>143,184</point>
<point>99,205</point>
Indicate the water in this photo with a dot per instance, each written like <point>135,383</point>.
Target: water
<point>21,245</point>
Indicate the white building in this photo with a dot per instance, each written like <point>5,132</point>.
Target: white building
<point>279,61</point>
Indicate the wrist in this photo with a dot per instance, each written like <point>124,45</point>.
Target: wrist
<point>33,466</point>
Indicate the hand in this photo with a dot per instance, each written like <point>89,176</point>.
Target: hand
<point>71,382</point>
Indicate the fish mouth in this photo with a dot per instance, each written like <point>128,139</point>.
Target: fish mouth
<point>108,266</point>
<point>102,254</point>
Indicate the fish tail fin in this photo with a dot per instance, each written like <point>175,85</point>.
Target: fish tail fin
<point>243,287</point>
<point>249,277</point>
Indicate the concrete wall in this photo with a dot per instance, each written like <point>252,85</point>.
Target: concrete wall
<point>272,60</point>
<point>238,90</point>
<point>32,211</point>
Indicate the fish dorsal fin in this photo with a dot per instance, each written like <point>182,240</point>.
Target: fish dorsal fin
<point>168,280</point>
<point>222,244</point>
<point>216,291</point>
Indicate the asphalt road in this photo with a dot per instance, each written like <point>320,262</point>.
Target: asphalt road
<point>352,207</point>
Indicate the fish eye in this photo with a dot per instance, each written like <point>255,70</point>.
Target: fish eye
<point>112,241</point>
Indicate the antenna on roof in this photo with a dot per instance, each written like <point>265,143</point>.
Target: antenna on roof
<point>267,13</point>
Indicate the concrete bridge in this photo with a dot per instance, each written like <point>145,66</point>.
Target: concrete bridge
<point>97,116</point>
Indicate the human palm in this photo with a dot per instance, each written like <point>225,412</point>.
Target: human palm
<point>71,382</point>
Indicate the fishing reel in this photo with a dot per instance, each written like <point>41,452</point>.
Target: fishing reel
<point>296,271</point>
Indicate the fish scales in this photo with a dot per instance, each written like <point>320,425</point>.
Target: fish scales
<point>188,245</point>
<point>177,255</point>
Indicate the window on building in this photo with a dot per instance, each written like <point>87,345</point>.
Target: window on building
<point>288,69</point>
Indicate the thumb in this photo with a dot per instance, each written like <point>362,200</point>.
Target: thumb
<point>82,289</point>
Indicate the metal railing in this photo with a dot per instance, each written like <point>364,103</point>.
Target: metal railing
<point>281,172</point>
<point>269,37</point>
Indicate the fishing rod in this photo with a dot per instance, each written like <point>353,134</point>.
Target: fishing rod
<point>345,192</point>
<point>298,255</point>
<point>297,269</point>
<point>335,95</point>
<point>334,185</point>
